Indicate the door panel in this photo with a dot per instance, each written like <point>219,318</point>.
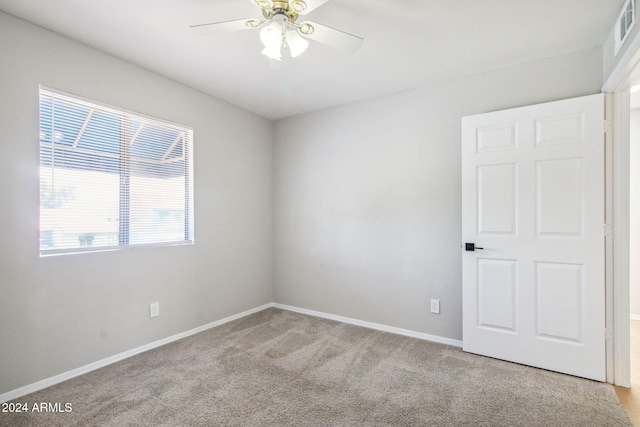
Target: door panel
<point>533,198</point>
<point>559,129</point>
<point>560,199</point>
<point>559,290</point>
<point>496,138</point>
<point>497,199</point>
<point>496,294</point>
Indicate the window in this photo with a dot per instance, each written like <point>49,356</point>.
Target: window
<point>111,179</point>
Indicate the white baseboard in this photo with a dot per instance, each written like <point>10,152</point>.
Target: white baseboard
<point>39,385</point>
<point>635,317</point>
<point>371,325</point>
<point>31,388</point>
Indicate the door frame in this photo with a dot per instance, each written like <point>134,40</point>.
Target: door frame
<point>618,183</point>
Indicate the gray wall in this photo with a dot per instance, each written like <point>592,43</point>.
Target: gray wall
<point>59,313</point>
<point>367,196</point>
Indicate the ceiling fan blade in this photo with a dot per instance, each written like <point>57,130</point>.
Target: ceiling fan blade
<point>262,3</point>
<point>302,7</point>
<point>225,26</point>
<point>330,36</point>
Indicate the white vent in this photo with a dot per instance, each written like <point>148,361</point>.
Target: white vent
<point>624,24</point>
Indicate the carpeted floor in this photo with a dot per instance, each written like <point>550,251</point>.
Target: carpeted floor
<point>278,368</point>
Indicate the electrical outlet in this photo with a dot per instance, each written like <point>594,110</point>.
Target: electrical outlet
<point>435,306</point>
<point>154,309</point>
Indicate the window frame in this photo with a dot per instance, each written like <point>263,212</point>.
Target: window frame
<point>123,228</point>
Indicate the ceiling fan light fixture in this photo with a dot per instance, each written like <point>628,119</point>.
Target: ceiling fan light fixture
<point>273,52</point>
<point>271,35</point>
<point>281,33</point>
<point>297,45</point>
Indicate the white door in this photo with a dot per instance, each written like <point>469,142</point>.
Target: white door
<point>533,200</point>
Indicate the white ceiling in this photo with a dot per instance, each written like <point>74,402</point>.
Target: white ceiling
<point>407,43</point>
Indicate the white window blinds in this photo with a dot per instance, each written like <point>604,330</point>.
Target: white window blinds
<point>111,179</point>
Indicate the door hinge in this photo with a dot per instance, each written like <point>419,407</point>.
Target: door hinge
<point>608,334</point>
<point>607,126</point>
<point>607,230</point>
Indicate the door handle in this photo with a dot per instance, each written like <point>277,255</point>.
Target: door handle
<point>471,247</point>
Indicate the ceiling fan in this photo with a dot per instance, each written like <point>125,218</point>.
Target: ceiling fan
<point>281,32</point>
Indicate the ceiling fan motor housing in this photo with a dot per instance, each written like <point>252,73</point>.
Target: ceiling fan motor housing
<point>280,12</point>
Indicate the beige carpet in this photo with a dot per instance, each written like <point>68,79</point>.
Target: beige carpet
<point>277,368</point>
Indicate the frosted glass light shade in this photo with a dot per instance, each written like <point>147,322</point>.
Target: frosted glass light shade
<point>271,35</point>
<point>297,44</point>
<point>272,52</point>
